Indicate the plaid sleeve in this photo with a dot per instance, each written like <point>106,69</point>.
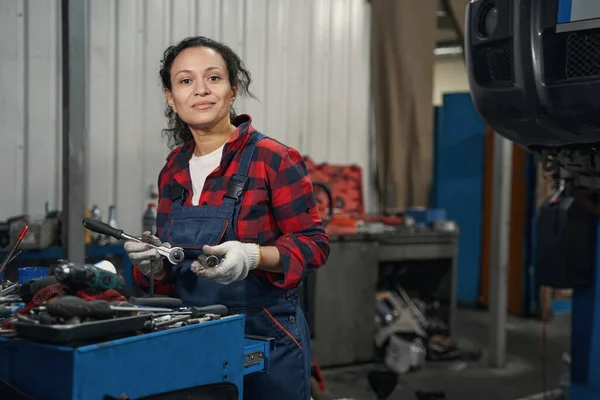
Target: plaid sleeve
<point>163,286</point>
<point>304,245</point>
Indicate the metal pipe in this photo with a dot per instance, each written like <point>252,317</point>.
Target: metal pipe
<point>501,199</point>
<point>74,17</point>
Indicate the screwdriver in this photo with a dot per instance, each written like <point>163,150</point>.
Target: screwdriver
<point>72,306</point>
<point>9,257</point>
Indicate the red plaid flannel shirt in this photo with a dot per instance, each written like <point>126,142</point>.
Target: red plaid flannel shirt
<point>278,208</point>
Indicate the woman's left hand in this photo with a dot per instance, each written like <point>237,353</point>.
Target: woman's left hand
<point>237,260</point>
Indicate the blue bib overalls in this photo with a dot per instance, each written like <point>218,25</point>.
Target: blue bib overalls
<point>269,311</point>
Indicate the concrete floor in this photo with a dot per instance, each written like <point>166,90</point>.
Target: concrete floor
<point>473,380</point>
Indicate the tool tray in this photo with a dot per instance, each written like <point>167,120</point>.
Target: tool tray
<point>210,353</point>
<point>74,335</point>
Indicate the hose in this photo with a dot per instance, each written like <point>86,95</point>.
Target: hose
<point>325,188</point>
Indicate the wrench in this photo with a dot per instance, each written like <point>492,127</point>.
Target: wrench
<point>175,255</point>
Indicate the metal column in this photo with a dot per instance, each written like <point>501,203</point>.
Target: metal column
<point>74,62</point>
<point>501,199</point>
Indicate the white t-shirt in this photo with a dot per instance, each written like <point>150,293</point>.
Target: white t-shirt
<point>200,168</point>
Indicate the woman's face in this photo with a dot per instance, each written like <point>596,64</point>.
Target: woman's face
<point>200,90</point>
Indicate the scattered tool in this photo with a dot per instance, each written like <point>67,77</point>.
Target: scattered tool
<point>208,261</point>
<point>68,307</point>
<point>155,325</point>
<point>10,299</point>
<point>165,302</point>
<point>174,255</point>
<point>9,257</point>
<point>17,254</point>
<point>9,289</point>
<point>198,312</point>
<point>168,321</point>
<point>87,274</point>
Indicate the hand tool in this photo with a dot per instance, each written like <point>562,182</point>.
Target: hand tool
<point>165,302</point>
<point>7,333</point>
<point>87,274</point>
<point>72,306</point>
<point>177,321</point>
<point>413,307</point>
<point>27,319</point>
<point>152,326</point>
<point>10,299</point>
<point>208,261</point>
<point>174,255</point>
<point>9,289</point>
<point>198,312</point>
<point>17,254</point>
<point>194,321</point>
<point>11,252</point>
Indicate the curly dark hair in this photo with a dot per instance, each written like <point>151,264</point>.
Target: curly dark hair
<point>178,132</point>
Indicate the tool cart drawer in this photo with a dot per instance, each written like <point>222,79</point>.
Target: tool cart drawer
<point>211,353</point>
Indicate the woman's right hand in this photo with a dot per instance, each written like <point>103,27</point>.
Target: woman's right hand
<point>144,256</point>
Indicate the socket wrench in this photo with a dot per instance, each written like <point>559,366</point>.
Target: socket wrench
<point>174,255</point>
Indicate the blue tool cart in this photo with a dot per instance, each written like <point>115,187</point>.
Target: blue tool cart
<point>213,357</point>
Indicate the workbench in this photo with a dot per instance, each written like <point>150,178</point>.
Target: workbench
<point>343,313</point>
<point>211,358</point>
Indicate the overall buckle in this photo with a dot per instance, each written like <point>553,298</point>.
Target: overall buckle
<point>236,187</point>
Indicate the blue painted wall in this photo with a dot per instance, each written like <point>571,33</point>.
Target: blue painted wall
<point>459,151</point>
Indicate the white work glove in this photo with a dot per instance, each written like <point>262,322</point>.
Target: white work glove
<point>237,260</point>
<point>145,257</point>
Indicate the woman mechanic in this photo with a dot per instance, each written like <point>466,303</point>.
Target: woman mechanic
<point>228,190</point>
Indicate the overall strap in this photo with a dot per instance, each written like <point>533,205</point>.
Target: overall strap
<point>237,183</point>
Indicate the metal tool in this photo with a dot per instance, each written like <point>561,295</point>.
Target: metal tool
<point>164,302</point>
<point>174,255</point>
<point>412,306</point>
<point>208,261</point>
<point>71,306</point>
<point>9,289</point>
<point>198,312</point>
<point>152,326</point>
<point>9,257</point>
<point>87,274</point>
<point>10,299</point>
<point>17,254</point>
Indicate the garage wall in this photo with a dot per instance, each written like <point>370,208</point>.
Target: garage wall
<point>450,76</point>
<point>309,60</point>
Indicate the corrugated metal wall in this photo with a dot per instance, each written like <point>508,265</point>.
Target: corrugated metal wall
<point>309,60</point>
